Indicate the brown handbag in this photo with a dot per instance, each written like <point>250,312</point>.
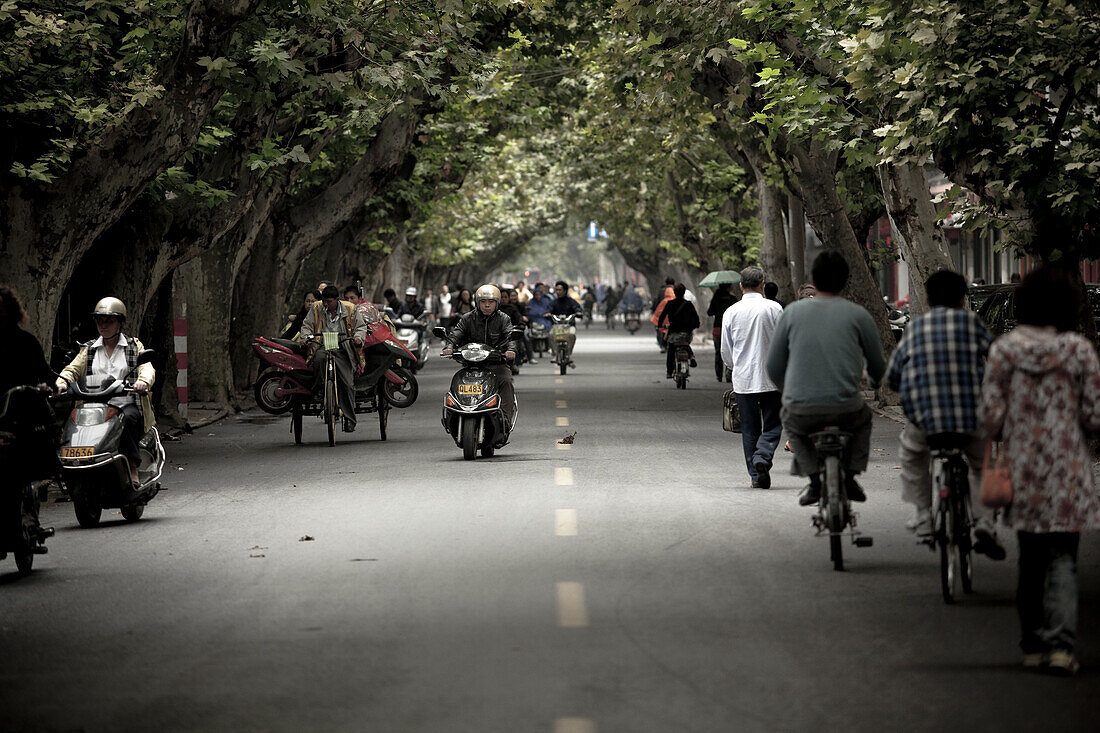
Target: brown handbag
<point>996,491</point>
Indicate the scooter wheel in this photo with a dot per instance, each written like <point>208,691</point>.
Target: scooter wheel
<point>87,512</point>
<point>133,512</point>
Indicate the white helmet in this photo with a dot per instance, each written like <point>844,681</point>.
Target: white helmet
<point>487,292</point>
<point>110,307</point>
<point>410,291</point>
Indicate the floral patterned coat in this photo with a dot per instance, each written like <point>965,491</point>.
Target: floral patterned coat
<point>1040,395</point>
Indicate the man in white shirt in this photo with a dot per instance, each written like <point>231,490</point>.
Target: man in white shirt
<point>747,328</point>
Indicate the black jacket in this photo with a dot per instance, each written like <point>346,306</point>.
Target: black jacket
<point>514,313</point>
<point>25,363</point>
<point>722,300</point>
<point>680,315</point>
<point>494,331</point>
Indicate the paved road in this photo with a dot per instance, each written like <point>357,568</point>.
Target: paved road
<point>631,583</point>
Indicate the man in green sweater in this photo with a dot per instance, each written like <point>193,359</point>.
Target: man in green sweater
<point>816,358</point>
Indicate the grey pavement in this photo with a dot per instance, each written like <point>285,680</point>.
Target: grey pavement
<point>633,582</point>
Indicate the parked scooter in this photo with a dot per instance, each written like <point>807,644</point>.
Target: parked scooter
<point>93,470</point>
<point>28,446</point>
<point>413,333</point>
<point>561,329</point>
<point>288,382</point>
<point>540,337</point>
<point>472,410</point>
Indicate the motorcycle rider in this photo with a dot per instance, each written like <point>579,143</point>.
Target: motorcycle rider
<point>115,354</point>
<point>563,305</point>
<point>488,325</point>
<point>538,307</point>
<point>332,315</point>
<point>411,306</point>
<point>680,317</point>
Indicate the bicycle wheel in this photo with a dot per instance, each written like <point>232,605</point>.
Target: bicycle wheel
<point>962,539</point>
<point>949,554</point>
<point>834,506</point>
<point>330,404</point>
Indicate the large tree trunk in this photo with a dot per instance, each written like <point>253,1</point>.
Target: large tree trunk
<point>796,240</point>
<point>45,230</point>
<point>828,216</point>
<point>913,221</point>
<point>773,250</point>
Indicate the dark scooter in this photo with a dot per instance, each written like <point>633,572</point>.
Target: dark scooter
<point>472,410</point>
<point>28,445</point>
<point>95,474</point>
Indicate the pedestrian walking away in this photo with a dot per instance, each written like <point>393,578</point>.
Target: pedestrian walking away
<point>1040,395</point>
<point>746,334</point>
<point>722,299</point>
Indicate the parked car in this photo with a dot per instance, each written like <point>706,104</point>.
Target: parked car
<point>998,312</point>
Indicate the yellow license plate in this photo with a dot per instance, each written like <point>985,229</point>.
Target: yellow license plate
<point>77,452</point>
<point>469,389</point>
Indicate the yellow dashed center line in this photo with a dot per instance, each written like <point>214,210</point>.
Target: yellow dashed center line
<point>572,613</point>
<point>559,392</point>
<point>560,404</point>
<point>574,725</point>
<point>563,476</point>
<point>565,522</point>
<point>561,422</point>
<point>559,380</point>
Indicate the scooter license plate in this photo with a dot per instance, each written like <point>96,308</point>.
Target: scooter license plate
<point>473,389</point>
<point>77,452</point>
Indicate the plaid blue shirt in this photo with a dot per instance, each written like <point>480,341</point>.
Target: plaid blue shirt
<point>938,367</point>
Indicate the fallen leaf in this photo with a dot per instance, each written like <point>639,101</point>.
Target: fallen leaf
<point>305,538</point>
<point>211,434</point>
<point>568,439</point>
<point>257,547</point>
<point>897,468</point>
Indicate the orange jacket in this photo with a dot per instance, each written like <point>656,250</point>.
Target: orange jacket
<point>669,295</point>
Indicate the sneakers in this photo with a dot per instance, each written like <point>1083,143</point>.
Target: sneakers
<point>1063,664</point>
<point>985,540</point>
<point>1035,660</point>
<point>349,426</point>
<point>756,484</point>
<point>921,524</point>
<point>763,475</point>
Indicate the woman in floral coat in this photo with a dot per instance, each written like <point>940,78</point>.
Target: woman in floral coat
<point>1040,395</point>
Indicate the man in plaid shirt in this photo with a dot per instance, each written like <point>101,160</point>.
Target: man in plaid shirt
<point>937,368</point>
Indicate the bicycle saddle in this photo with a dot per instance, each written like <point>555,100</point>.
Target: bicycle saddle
<point>949,441</point>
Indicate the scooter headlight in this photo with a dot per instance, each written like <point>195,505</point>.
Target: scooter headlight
<point>93,415</point>
<point>475,353</point>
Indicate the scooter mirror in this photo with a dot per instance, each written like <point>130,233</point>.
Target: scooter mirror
<point>518,332</point>
<point>146,356</point>
<point>440,332</point>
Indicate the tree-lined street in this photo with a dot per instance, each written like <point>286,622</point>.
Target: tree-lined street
<point>630,582</point>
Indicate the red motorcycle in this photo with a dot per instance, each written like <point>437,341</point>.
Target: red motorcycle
<point>289,383</point>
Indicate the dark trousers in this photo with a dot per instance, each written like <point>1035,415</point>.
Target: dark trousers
<point>503,373</point>
<point>670,356</point>
<point>801,425</point>
<point>1046,596</point>
<point>133,430</point>
<point>761,427</point>
<point>345,379</point>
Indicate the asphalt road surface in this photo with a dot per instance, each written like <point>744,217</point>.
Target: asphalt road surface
<point>632,582</point>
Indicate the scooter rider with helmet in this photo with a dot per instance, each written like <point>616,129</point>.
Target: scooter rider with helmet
<point>411,306</point>
<point>488,325</point>
<point>115,354</point>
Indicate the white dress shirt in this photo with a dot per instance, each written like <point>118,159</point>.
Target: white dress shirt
<point>115,365</point>
<point>747,328</point>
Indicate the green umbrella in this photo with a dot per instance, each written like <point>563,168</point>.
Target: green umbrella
<point>720,277</point>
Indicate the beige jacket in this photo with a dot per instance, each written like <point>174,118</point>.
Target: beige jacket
<point>145,374</point>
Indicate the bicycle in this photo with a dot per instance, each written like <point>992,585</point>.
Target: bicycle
<point>834,510</point>
<point>953,519</point>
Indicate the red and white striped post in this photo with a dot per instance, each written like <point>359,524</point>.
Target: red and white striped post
<point>179,325</point>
